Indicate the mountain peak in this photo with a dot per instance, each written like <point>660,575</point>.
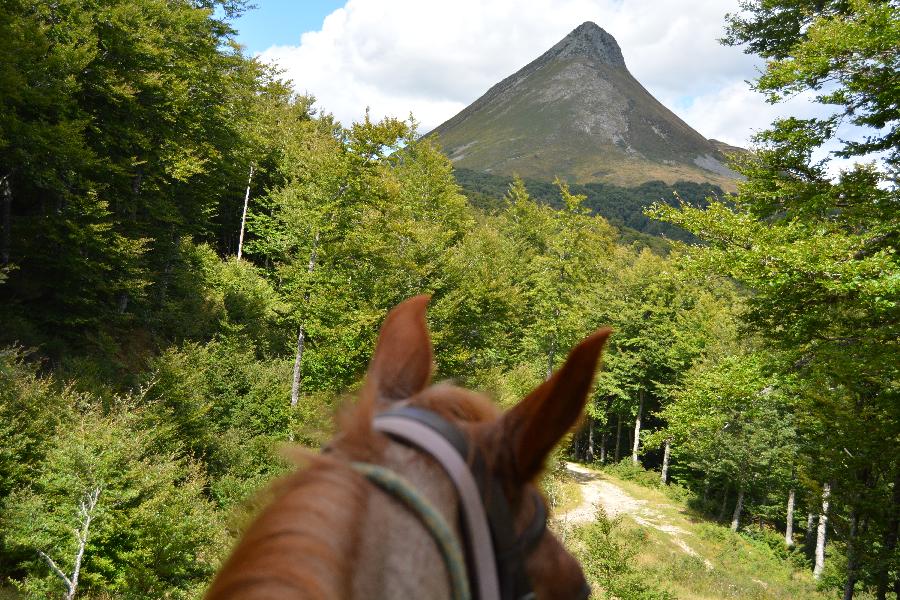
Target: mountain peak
<point>577,113</point>
<point>589,40</point>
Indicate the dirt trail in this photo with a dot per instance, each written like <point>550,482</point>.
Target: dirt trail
<point>597,491</point>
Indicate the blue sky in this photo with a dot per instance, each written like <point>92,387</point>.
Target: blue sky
<point>281,22</point>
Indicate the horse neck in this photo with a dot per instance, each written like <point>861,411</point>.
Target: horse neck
<point>328,533</point>
<point>304,542</point>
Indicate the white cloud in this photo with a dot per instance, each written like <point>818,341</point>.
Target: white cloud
<point>432,58</point>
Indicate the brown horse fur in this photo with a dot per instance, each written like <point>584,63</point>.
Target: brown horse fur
<point>328,533</point>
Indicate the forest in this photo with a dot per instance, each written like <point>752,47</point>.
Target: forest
<point>194,262</point>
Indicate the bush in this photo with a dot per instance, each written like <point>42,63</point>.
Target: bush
<point>607,551</point>
<point>627,470</point>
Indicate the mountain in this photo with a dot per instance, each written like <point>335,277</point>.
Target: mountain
<point>576,112</point>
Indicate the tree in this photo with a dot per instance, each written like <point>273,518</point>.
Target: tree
<point>819,253</point>
<point>143,526</point>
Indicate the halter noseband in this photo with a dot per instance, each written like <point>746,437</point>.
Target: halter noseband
<point>495,554</point>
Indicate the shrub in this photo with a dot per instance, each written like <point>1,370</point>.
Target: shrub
<point>606,550</point>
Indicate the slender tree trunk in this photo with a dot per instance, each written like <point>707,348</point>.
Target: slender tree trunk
<point>88,504</point>
<point>724,504</point>
<point>5,220</point>
<point>789,522</point>
<point>890,544</point>
<point>244,215</point>
<point>664,475</point>
<point>820,533</point>
<point>738,507</point>
<point>637,429</point>
<point>603,434</point>
<point>301,333</point>
<point>850,584</point>
<point>590,445</point>
<point>618,454</point>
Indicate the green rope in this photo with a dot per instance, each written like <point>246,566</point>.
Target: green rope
<point>434,522</point>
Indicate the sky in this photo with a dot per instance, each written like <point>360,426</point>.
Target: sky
<point>432,58</point>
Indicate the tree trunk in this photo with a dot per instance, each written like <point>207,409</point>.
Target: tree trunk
<point>789,522</point>
<point>850,584</point>
<point>820,533</point>
<point>738,507</point>
<point>88,504</point>
<point>809,538</point>
<point>618,454</point>
<point>603,445</point>
<point>590,445</point>
<point>664,475</point>
<point>637,429</point>
<point>890,544</point>
<point>301,334</point>
<point>244,215</point>
<point>724,504</point>
<point>5,221</point>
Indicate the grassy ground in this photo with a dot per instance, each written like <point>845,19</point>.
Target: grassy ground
<point>637,561</point>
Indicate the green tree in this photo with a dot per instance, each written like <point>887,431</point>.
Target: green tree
<point>143,527</point>
<point>819,254</point>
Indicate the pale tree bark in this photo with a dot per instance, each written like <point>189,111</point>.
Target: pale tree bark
<point>86,509</point>
<point>5,220</point>
<point>789,526</point>
<point>603,446</point>
<point>637,429</point>
<point>850,584</point>
<point>664,475</point>
<point>244,215</point>
<point>618,453</point>
<point>301,334</point>
<point>590,447</point>
<point>820,533</point>
<point>738,507</point>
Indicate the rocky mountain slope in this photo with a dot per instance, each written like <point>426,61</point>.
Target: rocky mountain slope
<point>576,112</point>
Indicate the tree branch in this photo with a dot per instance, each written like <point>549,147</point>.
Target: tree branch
<point>56,569</point>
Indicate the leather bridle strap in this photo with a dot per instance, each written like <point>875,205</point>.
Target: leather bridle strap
<point>451,459</point>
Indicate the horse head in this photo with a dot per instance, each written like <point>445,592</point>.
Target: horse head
<point>329,532</point>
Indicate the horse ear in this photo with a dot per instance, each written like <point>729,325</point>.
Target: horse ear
<point>536,424</point>
<point>401,364</point>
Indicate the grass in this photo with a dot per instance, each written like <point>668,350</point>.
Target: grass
<point>631,561</point>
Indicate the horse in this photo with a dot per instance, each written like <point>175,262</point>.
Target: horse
<point>335,529</point>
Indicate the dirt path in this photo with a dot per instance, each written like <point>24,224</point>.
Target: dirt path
<point>597,491</point>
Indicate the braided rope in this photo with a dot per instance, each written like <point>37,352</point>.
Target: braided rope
<point>434,522</point>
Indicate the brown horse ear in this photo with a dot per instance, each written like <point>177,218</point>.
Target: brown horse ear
<point>401,364</point>
<point>536,424</point>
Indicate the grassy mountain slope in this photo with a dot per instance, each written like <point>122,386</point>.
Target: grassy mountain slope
<point>577,113</point>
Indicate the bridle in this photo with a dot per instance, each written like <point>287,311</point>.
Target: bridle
<point>493,556</point>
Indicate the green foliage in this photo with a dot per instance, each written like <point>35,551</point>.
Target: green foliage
<point>623,207</point>
<point>607,553</point>
<point>152,531</point>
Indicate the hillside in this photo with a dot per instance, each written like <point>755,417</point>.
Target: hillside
<point>621,206</point>
<point>576,112</point>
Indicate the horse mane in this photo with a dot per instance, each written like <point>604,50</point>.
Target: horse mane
<point>303,544</point>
